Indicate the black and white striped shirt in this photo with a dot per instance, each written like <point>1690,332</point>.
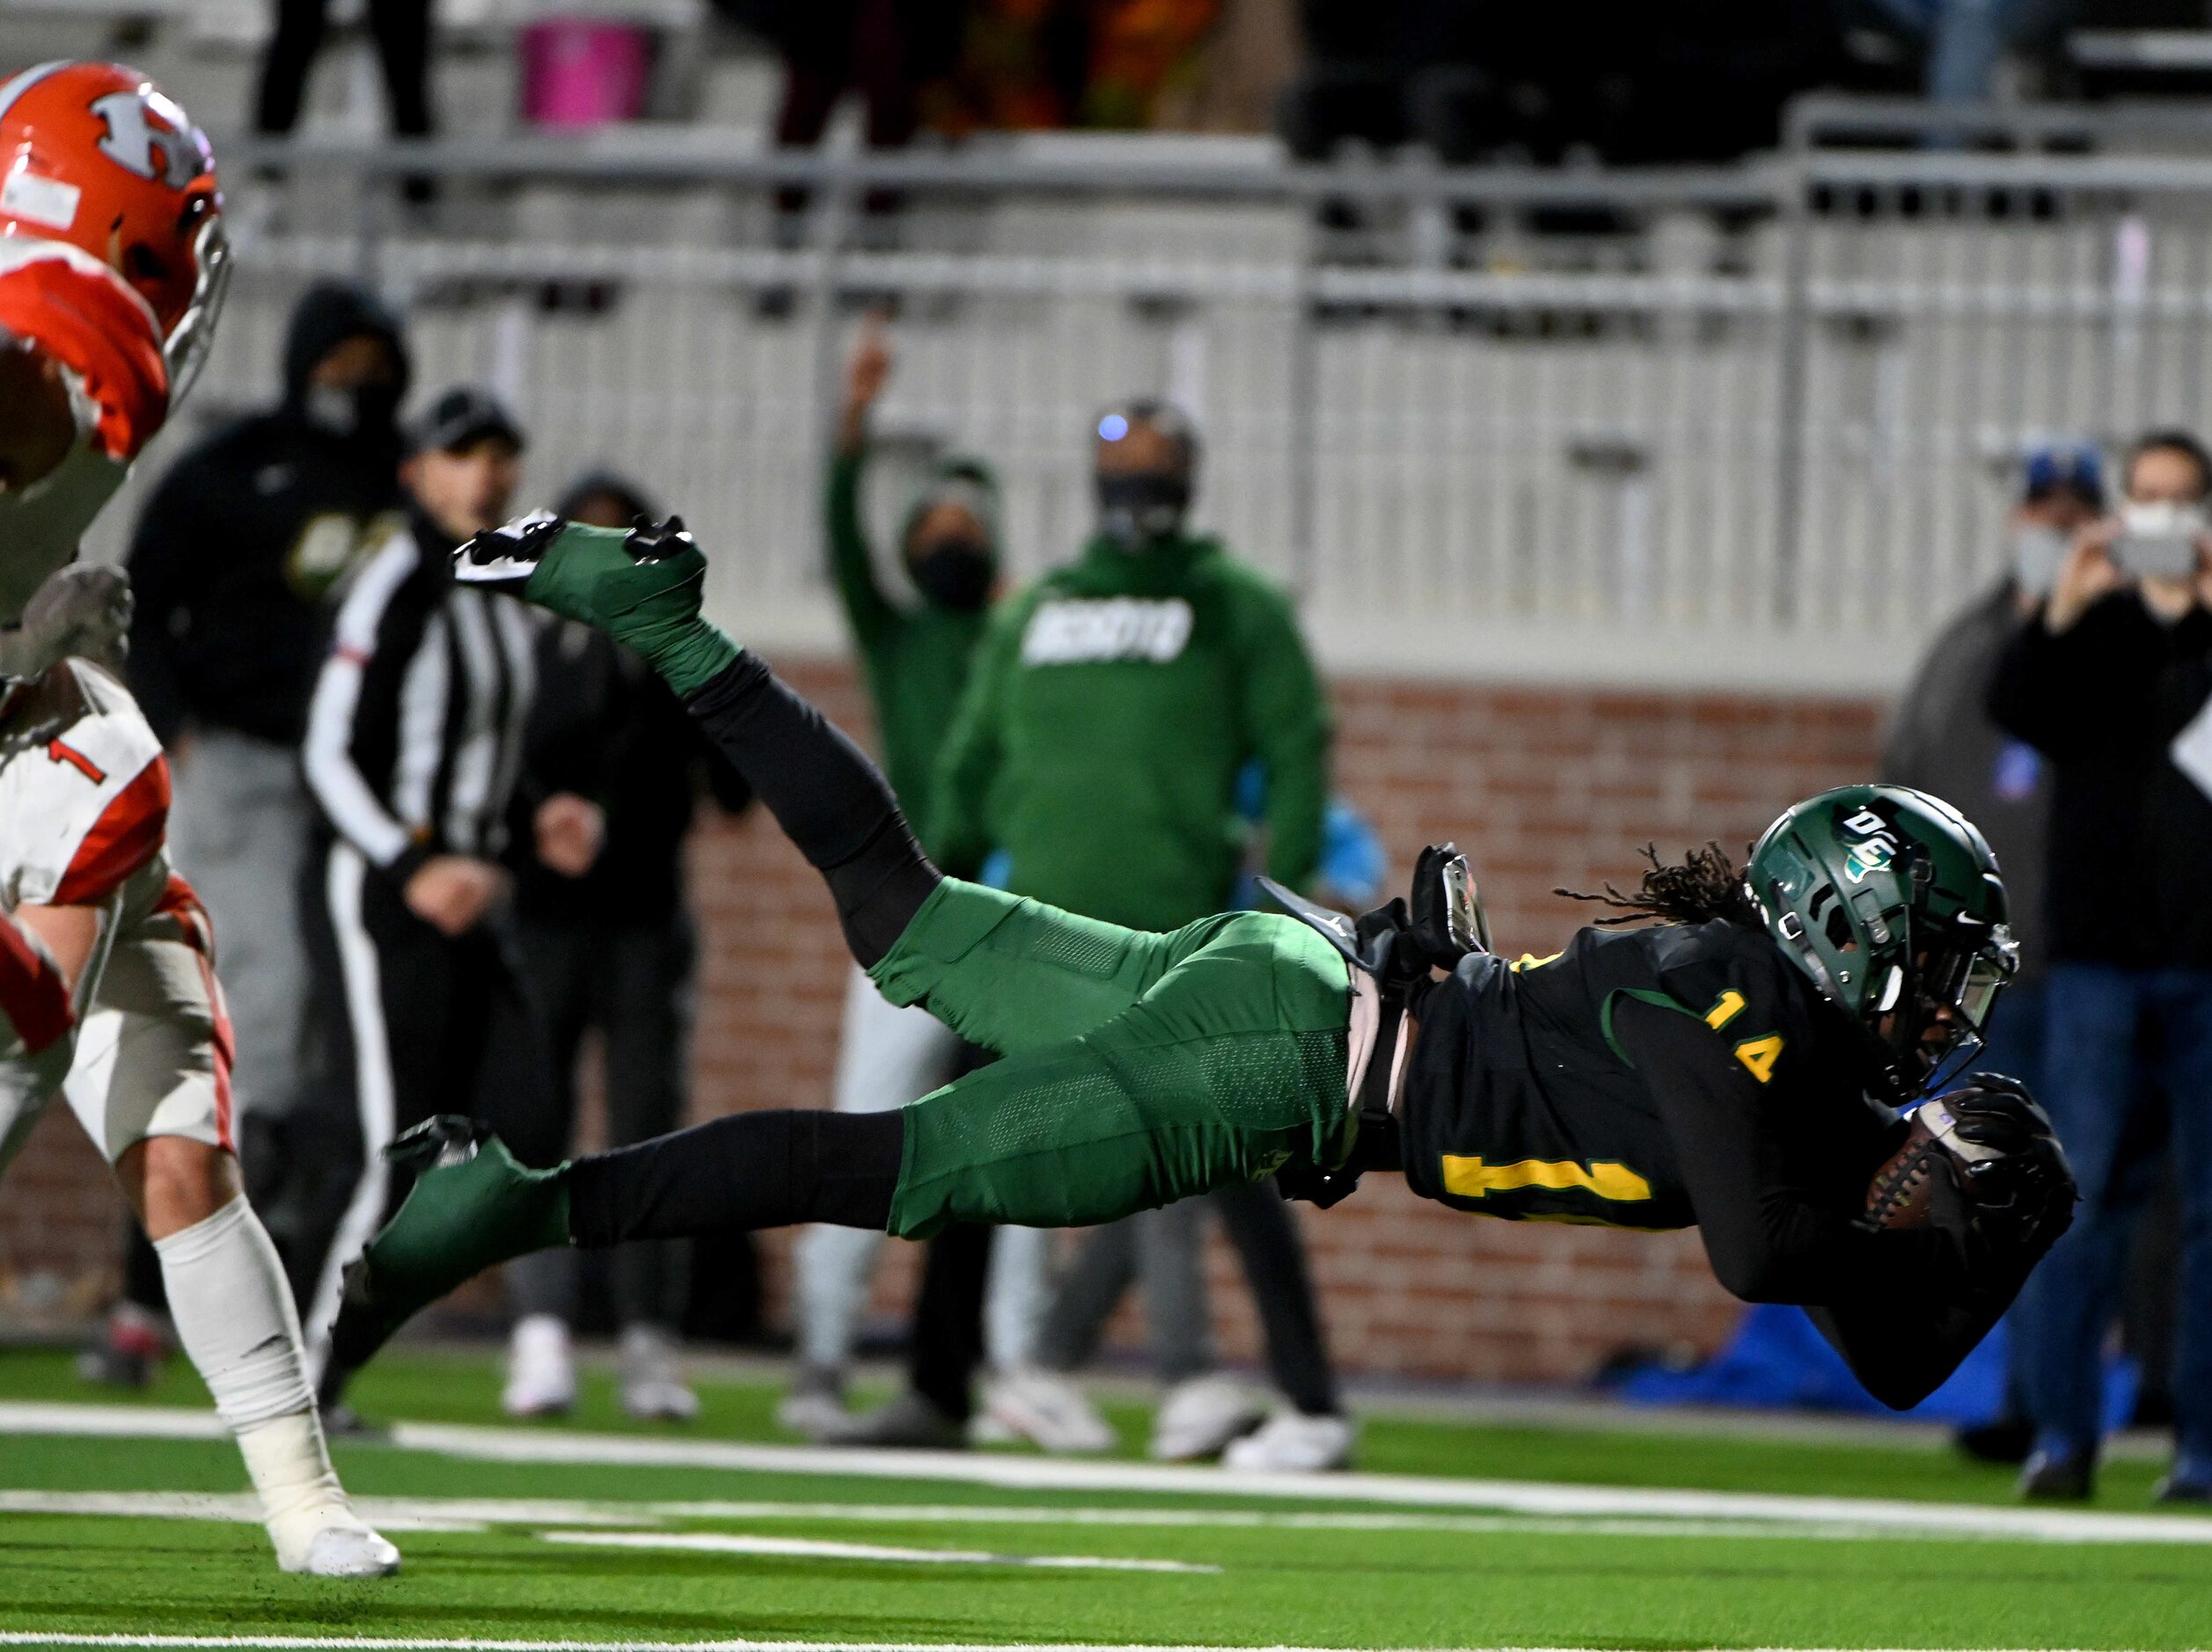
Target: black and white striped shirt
<point>414,734</point>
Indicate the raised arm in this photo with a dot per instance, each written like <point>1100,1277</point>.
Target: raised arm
<point>2079,671</point>
<point>871,614</point>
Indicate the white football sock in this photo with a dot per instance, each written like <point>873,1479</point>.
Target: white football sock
<point>235,1318</point>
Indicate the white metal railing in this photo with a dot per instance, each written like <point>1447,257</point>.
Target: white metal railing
<point>1752,430</point>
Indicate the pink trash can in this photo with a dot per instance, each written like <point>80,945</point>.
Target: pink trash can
<point>580,73</point>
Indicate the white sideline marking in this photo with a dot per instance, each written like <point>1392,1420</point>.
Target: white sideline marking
<point>817,1548</point>
<point>1062,1474</point>
<point>372,1643</point>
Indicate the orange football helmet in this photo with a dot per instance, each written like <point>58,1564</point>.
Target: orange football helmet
<point>97,156</point>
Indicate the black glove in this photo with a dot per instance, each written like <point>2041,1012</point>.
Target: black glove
<point>1446,922</point>
<point>1376,1147</point>
<point>1319,1188</point>
<point>1998,1112</point>
<point>2025,1187</point>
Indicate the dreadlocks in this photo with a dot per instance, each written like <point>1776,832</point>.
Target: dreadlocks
<point>1704,885</point>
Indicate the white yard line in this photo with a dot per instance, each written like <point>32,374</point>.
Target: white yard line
<point>241,1509</point>
<point>817,1548</point>
<point>1235,1519</point>
<point>392,1513</point>
<point>376,1643</point>
<point>479,1514</point>
<point>1064,1474</point>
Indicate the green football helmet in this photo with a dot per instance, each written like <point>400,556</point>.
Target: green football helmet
<point>1892,904</point>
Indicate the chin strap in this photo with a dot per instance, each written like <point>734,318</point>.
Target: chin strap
<point>1396,948</point>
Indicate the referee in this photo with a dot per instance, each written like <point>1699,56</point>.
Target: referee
<point>414,755</point>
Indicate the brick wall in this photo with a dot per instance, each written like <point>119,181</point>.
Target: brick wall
<point>1543,787</point>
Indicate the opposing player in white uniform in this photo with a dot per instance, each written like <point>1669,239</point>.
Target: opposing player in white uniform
<point>111,268</point>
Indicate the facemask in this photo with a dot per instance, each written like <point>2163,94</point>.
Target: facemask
<point>955,574</point>
<point>352,410</point>
<point>1141,508</point>
<point>2036,553</point>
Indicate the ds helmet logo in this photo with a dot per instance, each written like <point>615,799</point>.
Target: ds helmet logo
<point>1876,848</point>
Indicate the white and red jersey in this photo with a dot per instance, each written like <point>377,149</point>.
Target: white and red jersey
<point>84,796</point>
<point>83,815</point>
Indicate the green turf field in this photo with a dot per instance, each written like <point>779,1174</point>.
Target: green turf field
<point>1451,1536</point>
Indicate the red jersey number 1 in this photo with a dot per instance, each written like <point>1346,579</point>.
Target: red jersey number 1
<point>63,752</point>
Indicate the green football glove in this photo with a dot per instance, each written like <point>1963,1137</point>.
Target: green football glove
<point>641,585</point>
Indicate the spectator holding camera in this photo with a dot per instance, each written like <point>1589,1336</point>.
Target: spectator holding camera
<point>2111,679</point>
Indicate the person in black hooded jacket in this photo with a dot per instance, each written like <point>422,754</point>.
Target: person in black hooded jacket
<point>238,561</point>
<point>249,531</point>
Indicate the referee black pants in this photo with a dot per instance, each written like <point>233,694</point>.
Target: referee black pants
<point>631,984</point>
<point>411,1023</point>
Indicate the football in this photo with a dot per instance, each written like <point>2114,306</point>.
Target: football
<point>1899,1195</point>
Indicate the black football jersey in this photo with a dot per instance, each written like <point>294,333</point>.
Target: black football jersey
<point>1530,1093</point>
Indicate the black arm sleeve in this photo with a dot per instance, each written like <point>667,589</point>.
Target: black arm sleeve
<point>830,799</point>
<point>1902,1308</point>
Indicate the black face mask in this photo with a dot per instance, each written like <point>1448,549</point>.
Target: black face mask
<point>1141,508</point>
<point>955,574</point>
<point>353,410</point>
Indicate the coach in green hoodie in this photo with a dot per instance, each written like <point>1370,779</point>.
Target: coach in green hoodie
<point>1115,701</point>
<point>1112,706</point>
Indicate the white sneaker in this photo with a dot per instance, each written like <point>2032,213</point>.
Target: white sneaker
<point>813,1407</point>
<point>985,1429</point>
<point>1199,1417</point>
<point>350,1551</point>
<point>541,1370</point>
<point>331,1541</point>
<point>653,1385</point>
<point>1290,1441</point>
<point>1047,1409</point>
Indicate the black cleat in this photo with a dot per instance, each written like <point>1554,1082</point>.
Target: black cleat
<point>910,1421</point>
<point>2190,1482</point>
<point>2050,1476</point>
<point>2006,1440</point>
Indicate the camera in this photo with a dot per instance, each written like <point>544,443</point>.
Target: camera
<point>2158,540</point>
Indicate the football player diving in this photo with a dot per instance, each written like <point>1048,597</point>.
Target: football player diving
<point>1740,1066</point>
<point>112,267</point>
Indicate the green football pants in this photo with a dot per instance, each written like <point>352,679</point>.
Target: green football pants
<point>1138,1069</point>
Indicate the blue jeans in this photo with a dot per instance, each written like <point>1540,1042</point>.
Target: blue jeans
<point>2113,1033</point>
